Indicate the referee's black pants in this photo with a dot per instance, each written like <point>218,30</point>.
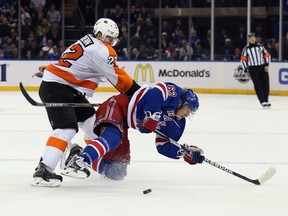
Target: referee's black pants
<point>260,79</point>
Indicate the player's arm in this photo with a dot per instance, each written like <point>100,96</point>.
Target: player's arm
<point>125,83</point>
<point>154,99</point>
<point>117,76</point>
<point>191,154</point>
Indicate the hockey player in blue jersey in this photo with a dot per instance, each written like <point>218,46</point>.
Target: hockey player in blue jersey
<point>161,107</point>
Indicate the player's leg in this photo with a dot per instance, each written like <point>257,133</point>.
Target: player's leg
<point>86,118</point>
<point>111,116</point>
<point>64,123</point>
<point>114,164</point>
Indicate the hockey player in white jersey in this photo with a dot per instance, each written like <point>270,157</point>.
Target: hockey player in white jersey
<point>75,76</point>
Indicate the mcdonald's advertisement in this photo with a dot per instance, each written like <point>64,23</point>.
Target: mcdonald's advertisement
<point>206,77</point>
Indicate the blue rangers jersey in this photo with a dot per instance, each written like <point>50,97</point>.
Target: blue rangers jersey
<point>164,98</point>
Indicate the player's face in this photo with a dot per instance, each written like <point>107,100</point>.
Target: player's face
<point>112,41</point>
<point>182,112</point>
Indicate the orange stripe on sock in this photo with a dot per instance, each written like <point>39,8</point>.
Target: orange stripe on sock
<point>57,143</point>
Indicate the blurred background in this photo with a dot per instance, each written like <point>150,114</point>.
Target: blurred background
<point>183,30</point>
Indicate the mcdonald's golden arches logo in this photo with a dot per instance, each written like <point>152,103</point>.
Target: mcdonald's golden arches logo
<point>143,70</point>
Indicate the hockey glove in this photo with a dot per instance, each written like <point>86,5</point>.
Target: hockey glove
<point>191,154</point>
<point>151,121</point>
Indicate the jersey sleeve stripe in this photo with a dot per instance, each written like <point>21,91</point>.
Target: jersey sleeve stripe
<point>132,108</point>
<point>70,78</point>
<point>163,89</point>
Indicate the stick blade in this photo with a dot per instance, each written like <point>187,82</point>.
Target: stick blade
<point>267,175</point>
<point>26,95</point>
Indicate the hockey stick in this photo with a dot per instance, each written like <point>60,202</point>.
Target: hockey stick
<point>261,180</point>
<point>34,103</point>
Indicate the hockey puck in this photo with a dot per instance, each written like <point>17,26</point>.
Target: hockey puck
<point>147,191</point>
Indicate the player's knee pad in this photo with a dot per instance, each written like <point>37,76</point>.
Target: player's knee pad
<point>114,170</point>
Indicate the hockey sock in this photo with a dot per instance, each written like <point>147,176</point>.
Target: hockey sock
<point>108,140</point>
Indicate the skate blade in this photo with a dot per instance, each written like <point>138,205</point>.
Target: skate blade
<point>70,172</point>
<point>39,182</point>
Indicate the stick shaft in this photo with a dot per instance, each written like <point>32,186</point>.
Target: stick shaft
<point>34,103</point>
<point>256,182</point>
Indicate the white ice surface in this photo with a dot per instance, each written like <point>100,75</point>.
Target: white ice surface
<point>233,130</point>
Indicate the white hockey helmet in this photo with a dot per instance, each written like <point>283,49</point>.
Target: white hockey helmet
<point>108,28</point>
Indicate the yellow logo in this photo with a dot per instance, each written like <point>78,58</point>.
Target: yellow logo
<point>143,70</point>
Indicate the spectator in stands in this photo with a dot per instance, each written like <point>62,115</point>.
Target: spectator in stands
<point>138,33</point>
<point>55,33</point>
<point>15,54</point>
<point>24,15</point>
<point>121,47</point>
<point>43,39</point>
<point>237,54</point>
<point>137,55</point>
<point>178,27</point>
<point>151,39</point>
<point>184,56</point>
<point>133,14</point>
<point>206,41</point>
<point>270,47</point>
<point>26,28</point>
<point>48,48</point>
<point>34,48</point>
<point>55,55</point>
<point>5,29</point>
<point>118,14</point>
<point>12,15</point>
<point>144,13</point>
<point>28,55</point>
<point>185,45</point>
<point>53,15</point>
<point>174,56</point>
<point>37,3</point>
<point>228,50</point>
<point>8,47</point>
<point>169,50</point>
<point>2,54</point>
<point>240,38</point>
<point>41,55</point>
<point>178,37</point>
<point>199,53</point>
<point>164,42</point>
<point>220,41</point>
<point>165,27</point>
<point>259,31</point>
<point>194,38</point>
<point>123,26</point>
<point>23,49</point>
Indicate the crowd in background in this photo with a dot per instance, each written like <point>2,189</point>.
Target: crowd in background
<point>41,36</point>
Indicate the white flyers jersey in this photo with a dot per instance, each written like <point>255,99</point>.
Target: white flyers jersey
<point>85,63</point>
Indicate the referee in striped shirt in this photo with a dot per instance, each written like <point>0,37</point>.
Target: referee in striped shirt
<point>255,60</point>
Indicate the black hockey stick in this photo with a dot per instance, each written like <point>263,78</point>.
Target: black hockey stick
<point>261,180</point>
<point>34,103</point>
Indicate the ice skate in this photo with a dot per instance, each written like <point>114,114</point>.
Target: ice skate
<point>73,149</point>
<point>77,168</point>
<point>45,177</point>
